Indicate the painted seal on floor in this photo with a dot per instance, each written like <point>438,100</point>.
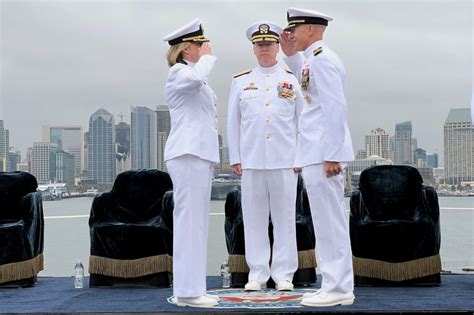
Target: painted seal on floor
<point>238,298</point>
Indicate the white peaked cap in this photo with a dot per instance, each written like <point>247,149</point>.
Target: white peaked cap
<point>264,31</point>
<point>191,32</point>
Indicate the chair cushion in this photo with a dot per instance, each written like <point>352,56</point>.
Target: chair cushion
<point>140,193</point>
<point>390,191</point>
<point>13,187</point>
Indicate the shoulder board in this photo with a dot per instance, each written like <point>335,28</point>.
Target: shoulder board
<point>242,73</point>
<point>317,51</point>
<point>289,71</point>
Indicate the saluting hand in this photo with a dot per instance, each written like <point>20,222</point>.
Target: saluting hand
<point>286,44</point>
<point>205,49</point>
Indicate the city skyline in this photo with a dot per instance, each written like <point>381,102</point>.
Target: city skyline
<point>415,70</point>
<point>367,133</point>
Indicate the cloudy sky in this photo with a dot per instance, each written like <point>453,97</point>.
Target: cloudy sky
<point>62,60</point>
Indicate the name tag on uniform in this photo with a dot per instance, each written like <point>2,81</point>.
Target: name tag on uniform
<point>305,79</point>
<point>285,90</point>
<point>251,86</point>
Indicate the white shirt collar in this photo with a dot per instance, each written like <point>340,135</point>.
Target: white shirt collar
<point>268,70</point>
<point>191,64</point>
<point>308,52</point>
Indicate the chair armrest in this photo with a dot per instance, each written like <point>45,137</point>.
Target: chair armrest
<point>429,203</point>
<point>100,209</point>
<point>32,211</point>
<point>357,205</point>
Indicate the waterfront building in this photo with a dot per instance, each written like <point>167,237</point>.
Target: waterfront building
<point>432,160</point>
<point>459,146</point>
<point>143,138</point>
<point>4,147</point>
<point>376,143</point>
<point>163,123</point>
<point>402,143</point>
<point>101,148</point>
<point>68,139</point>
<point>43,161</point>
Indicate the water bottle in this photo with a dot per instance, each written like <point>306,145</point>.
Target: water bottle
<point>79,275</point>
<point>225,275</point>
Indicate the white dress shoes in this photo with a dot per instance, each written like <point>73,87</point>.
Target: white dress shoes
<point>253,285</point>
<point>212,296</point>
<point>310,294</point>
<point>284,285</point>
<point>200,301</point>
<point>322,299</point>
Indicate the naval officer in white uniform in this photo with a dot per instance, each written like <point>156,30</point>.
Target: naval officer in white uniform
<point>323,150</point>
<point>263,108</point>
<point>190,154</point>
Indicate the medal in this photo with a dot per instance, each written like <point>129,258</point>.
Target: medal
<point>285,90</point>
<point>305,79</point>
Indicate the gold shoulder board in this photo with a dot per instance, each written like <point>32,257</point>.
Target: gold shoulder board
<point>242,73</point>
<point>317,51</point>
<point>289,71</point>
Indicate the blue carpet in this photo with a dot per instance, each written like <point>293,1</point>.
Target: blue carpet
<point>57,295</point>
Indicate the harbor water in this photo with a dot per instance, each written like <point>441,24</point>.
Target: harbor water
<point>67,235</point>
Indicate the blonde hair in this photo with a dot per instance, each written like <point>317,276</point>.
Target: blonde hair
<point>175,53</point>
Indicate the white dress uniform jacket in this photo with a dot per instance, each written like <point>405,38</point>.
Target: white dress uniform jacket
<point>192,105</point>
<point>263,102</point>
<point>324,136</point>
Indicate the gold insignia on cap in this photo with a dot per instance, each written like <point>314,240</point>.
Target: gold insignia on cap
<point>252,84</point>
<point>263,29</point>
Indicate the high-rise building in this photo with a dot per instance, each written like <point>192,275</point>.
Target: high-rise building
<point>143,138</point>
<point>14,158</point>
<point>4,147</point>
<point>43,161</point>
<point>163,124</point>
<point>65,168</point>
<point>458,146</point>
<point>69,139</point>
<point>122,140</point>
<point>29,159</point>
<point>377,143</point>
<point>420,157</point>
<point>86,154</point>
<point>432,160</point>
<point>403,153</point>
<point>414,146</point>
<point>101,148</point>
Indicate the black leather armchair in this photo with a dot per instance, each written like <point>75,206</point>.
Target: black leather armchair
<point>234,232</point>
<point>130,243</point>
<point>21,230</point>
<point>394,228</point>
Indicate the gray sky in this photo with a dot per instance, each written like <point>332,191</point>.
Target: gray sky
<point>62,60</point>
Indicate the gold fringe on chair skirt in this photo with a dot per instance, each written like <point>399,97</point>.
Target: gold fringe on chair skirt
<point>397,271</point>
<point>130,268</point>
<point>21,269</point>
<point>306,259</point>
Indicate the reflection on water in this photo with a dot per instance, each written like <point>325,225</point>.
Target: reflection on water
<point>67,234</point>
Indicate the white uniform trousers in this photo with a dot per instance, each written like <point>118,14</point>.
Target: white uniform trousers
<point>266,192</point>
<point>192,178</point>
<point>331,227</point>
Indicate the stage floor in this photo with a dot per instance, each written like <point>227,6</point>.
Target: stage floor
<point>57,295</point>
